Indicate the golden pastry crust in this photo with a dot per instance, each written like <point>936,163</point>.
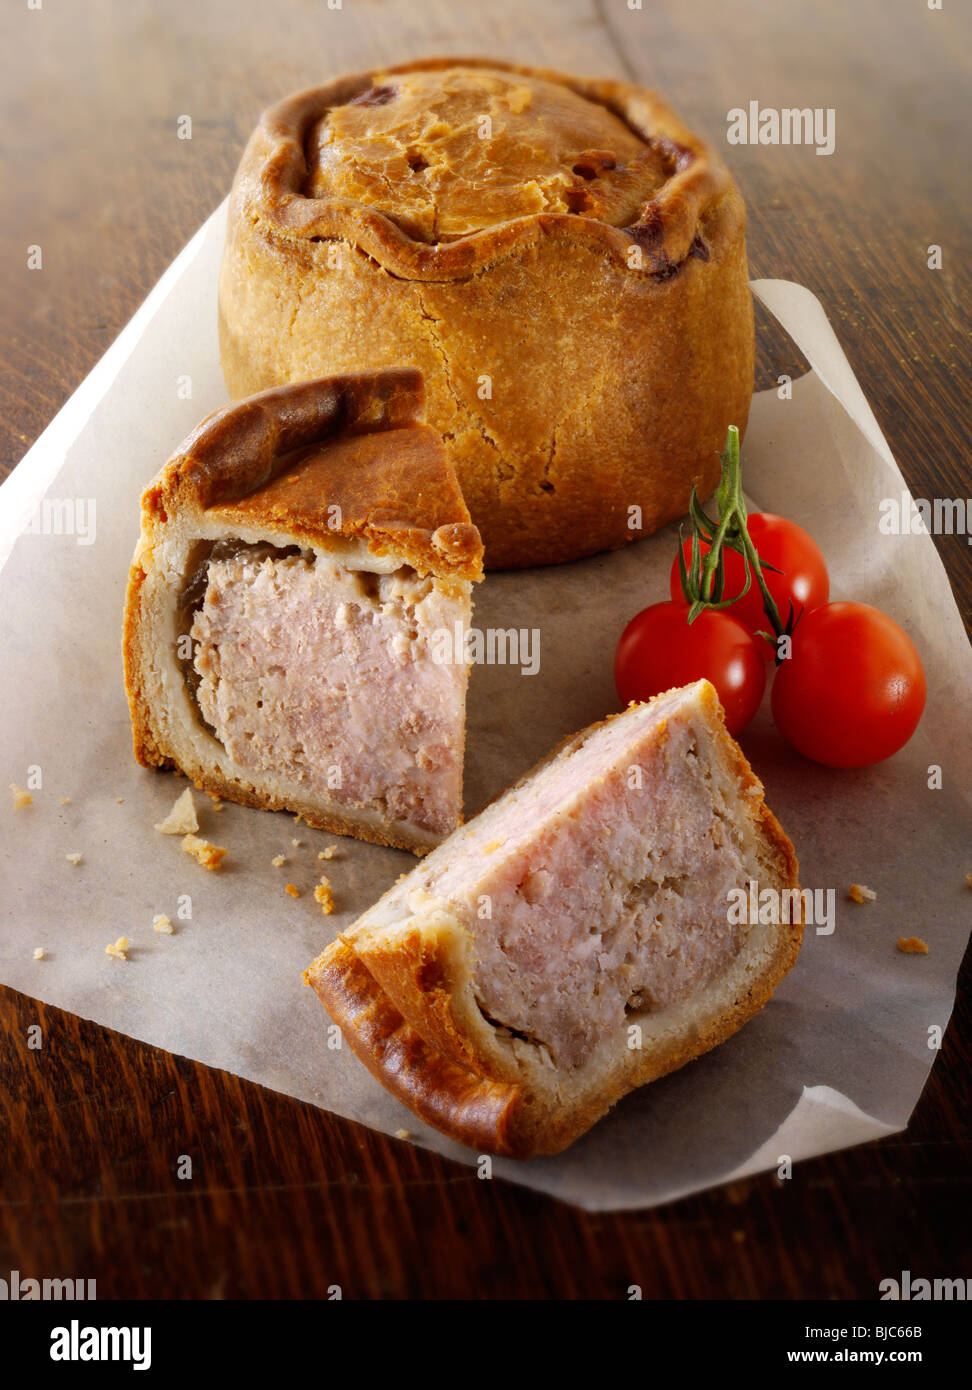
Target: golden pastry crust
<point>582,372</point>
<point>287,456</point>
<point>444,153</point>
<point>468,1107</point>
<point>340,462</point>
<point>403,1003</point>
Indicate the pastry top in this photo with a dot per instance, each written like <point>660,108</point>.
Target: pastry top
<point>345,458</point>
<point>401,163</point>
<point>444,153</point>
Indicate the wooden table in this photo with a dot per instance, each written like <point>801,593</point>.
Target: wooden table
<point>288,1200</point>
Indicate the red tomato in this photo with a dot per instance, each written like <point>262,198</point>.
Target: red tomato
<point>791,550</point>
<point>658,650</point>
<point>853,690</point>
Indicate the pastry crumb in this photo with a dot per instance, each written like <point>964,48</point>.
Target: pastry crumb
<point>74,859</point>
<point>218,806</point>
<point>968,879</point>
<point>324,896</point>
<point>296,843</point>
<point>859,894</point>
<point>119,799</point>
<point>65,801</point>
<point>402,1134</point>
<point>39,953</point>
<point>181,820</point>
<point>119,949</point>
<point>21,797</point>
<point>163,924</point>
<point>331,851</point>
<point>912,946</point>
<point>278,861</point>
<point>209,856</point>
<point>292,889</point>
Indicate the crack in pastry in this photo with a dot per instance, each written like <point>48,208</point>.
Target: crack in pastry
<point>567,239</point>
<point>298,556</point>
<point>574,940</point>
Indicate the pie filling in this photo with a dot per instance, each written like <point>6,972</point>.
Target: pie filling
<point>317,676</point>
<point>607,906</point>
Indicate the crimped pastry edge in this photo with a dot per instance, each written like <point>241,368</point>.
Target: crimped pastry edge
<point>239,449</point>
<point>665,230</point>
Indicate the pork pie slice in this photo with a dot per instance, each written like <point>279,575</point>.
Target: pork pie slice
<point>297,556</point>
<point>576,939</point>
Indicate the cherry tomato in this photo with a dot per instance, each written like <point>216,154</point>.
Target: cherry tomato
<point>658,650</point>
<point>853,690</point>
<point>791,550</point>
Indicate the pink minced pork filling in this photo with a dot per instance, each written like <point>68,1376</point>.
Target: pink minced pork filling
<point>323,677</point>
<point>604,902</point>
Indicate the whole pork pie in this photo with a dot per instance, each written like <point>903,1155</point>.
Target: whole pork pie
<point>296,558</point>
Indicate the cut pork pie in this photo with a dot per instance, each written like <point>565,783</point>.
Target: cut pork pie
<point>297,556</point>
<point>576,939</point>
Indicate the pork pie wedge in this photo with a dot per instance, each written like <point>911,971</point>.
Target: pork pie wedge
<point>496,988</point>
<point>297,556</point>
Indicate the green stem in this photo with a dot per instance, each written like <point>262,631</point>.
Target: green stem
<point>706,576</point>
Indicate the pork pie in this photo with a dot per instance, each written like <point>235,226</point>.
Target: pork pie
<point>560,256</point>
<point>575,939</point>
<point>296,558</point>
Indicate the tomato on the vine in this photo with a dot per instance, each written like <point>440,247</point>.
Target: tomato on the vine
<point>658,650</point>
<point>802,580</point>
<point>849,687</point>
<point>853,689</point>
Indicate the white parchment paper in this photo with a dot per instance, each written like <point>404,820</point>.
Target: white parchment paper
<point>839,1055</point>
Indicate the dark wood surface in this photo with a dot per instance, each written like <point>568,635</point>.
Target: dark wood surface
<point>287,1200</point>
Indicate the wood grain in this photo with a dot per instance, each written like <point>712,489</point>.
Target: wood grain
<point>284,1199</point>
